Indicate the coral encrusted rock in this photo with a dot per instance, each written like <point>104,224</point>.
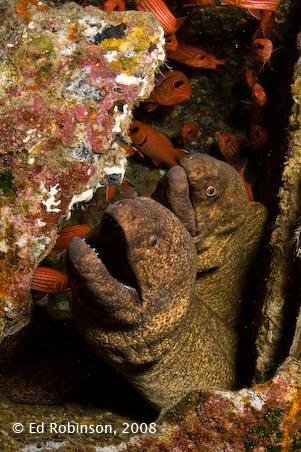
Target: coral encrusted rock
<point>69,78</point>
<point>263,418</point>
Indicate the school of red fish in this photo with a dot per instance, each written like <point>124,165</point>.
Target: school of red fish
<point>172,87</point>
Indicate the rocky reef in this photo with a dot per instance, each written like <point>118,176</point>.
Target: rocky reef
<point>69,80</point>
<point>264,418</point>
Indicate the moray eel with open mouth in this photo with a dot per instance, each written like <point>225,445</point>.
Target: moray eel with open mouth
<point>134,303</point>
<point>208,196</point>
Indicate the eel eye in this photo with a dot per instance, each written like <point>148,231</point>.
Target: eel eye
<point>134,129</point>
<point>152,241</point>
<point>211,190</point>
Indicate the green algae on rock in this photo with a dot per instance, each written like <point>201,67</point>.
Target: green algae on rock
<point>65,107</point>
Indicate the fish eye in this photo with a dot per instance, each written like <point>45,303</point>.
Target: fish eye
<point>135,129</point>
<point>202,57</point>
<point>153,240</point>
<point>260,46</point>
<point>211,191</point>
<point>179,83</point>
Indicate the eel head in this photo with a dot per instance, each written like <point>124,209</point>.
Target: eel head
<point>132,281</point>
<point>207,195</point>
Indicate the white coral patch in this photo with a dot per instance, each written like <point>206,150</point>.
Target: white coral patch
<point>22,241</point>
<point>120,117</point>
<point>40,243</point>
<point>51,202</point>
<point>113,55</point>
<point>91,26</point>
<point>41,223</point>
<point>124,79</point>
<point>244,398</point>
<point>109,170</point>
<point>82,197</point>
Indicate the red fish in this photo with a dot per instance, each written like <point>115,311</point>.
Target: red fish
<point>171,88</point>
<point>271,5</point>
<point>267,21</point>
<point>67,233</point>
<point>189,132</point>
<point>258,92</point>
<point>251,77</point>
<point>171,42</point>
<point>259,95</point>
<point>262,49</point>
<point>258,115</point>
<point>229,145</point>
<point>114,5</point>
<point>195,57</point>
<point>154,145</point>
<point>112,189</point>
<point>258,136</point>
<point>49,280</point>
<point>240,167</point>
<point>167,20</point>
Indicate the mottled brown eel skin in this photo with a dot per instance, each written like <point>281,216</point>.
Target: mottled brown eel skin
<point>134,302</point>
<point>208,196</point>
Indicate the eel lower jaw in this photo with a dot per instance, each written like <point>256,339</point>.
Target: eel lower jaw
<point>89,275</point>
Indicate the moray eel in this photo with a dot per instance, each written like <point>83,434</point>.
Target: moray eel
<point>134,303</point>
<point>208,196</point>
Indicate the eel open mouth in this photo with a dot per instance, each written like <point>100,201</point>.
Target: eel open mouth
<point>108,239</point>
<point>99,267</point>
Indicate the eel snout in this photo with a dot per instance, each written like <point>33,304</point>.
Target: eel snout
<point>99,268</point>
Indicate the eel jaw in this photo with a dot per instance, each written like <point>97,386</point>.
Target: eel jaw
<point>99,271</point>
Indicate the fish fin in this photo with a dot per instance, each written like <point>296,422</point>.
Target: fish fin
<point>240,166</point>
<point>181,153</point>
<point>127,183</point>
<point>150,106</point>
<point>39,296</point>
<point>258,34</point>
<point>180,21</point>
<point>140,153</point>
<point>255,13</point>
<point>156,162</point>
<point>130,151</point>
<point>110,192</point>
<point>218,63</point>
<point>249,190</point>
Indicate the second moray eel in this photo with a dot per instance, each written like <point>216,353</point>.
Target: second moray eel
<point>208,196</point>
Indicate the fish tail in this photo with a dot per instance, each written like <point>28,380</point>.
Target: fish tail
<point>150,106</point>
<point>161,11</point>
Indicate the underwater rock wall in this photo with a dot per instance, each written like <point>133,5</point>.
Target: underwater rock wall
<point>69,78</point>
<point>282,299</point>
